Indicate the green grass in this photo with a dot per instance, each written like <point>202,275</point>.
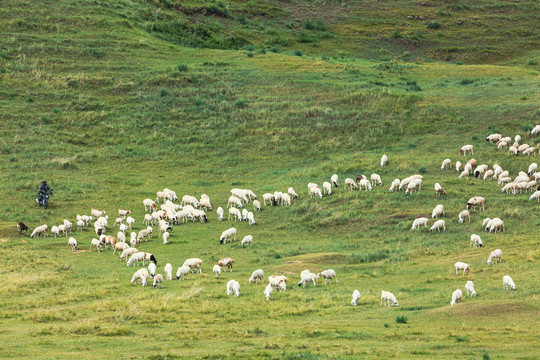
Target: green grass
<point>113,101</point>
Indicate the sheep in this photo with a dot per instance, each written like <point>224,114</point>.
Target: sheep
<point>523,147</point>
<point>419,222</point>
<point>68,225</point>
<point>80,225</point>
<point>216,270</point>
<point>463,174</point>
<point>437,211</point>
<point>517,138</point>
<point>124,213</point>
<point>162,195</point>
<point>532,169</point>
<point>364,183</point>
<point>328,274</point>
<point>194,263</point>
<point>384,160</point>
<point>446,164</point>
<point>394,186</point>
<point>465,148</point>
<point>388,298</point>
<point>489,175</point>
<point>200,214</point>
<point>102,221</point>
<point>495,225</point>
<point>251,218</point>
<point>458,166</point>
<point>502,145</point>
<point>97,213</point>
<point>234,202</point>
<point>462,215</point>
<point>62,228</point>
<point>127,253</point>
<point>249,194</point>
<point>412,185</point>
<point>474,202</point>
<point>247,240</point>
<point>437,225</point>
<point>270,198</point>
<point>21,227</point>
<point>123,228</point>
<point>190,200</point>
<point>291,193</point>
<point>462,266</point>
<point>133,238</point>
<point>138,256</point>
<point>55,231</point>
<point>508,283</point>
<point>256,275</point>
<point>535,130</point>
<point>535,195</point>
<point>480,170</point>
<point>513,150</point>
<point>472,162</point>
<point>235,214</point>
<point>439,190</point>
<point>376,180</point>
<point>307,276</point>
<point>476,241</point>
<point>140,275</point>
<point>276,280</point>
<point>256,205</point>
<point>355,297</point>
<point>286,199</point>
<point>228,234</point>
<point>228,262</point>
<point>152,269</point>
<point>166,237</point>
<point>504,180</point>
<point>120,246</point>
<point>233,286</point>
<point>277,196</point>
<point>316,191</point>
<point>219,213</point>
<point>168,271</point>
<point>183,272</point>
<point>494,256</point>
<point>158,280</point>
<point>334,180</point>
<point>494,137</point>
<point>144,234</point>
<point>469,286</point>
<point>360,177</point>
<point>457,297</point>
<point>96,244</point>
<point>205,203</point>
<point>240,194</point>
<point>529,151</point>
<point>327,187</point>
<point>268,291</point>
<point>73,243</point>
<point>147,219</point>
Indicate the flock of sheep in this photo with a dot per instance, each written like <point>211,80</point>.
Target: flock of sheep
<point>173,212</point>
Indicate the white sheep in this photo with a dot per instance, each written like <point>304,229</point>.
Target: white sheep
<point>469,286</point>
<point>412,185</point>
<point>328,275</point>
<point>96,244</point>
<point>474,202</point>
<point>251,218</point>
<point>126,253</point>
<point>81,225</point>
<point>535,195</point>
<point>446,164</point>
<point>123,228</point>
<point>465,148</point>
<point>247,240</point>
<point>244,214</point>
<point>439,190</point>
<point>234,202</point>
<point>183,272</point>
<point>291,193</point>
<point>120,246</point>
<point>158,280</point>
<point>384,160</point>
<point>464,214</point>
<point>489,175</point>
<point>327,187</point>
<point>270,198</point>
<point>229,234</point>
<point>508,283</point>
<point>307,276</point>
<point>233,286</point>
<point>458,166</point>
<point>235,214</point>
<point>476,241</point>
<point>97,213</point>
<point>437,225</point>
<point>502,145</point>
<point>355,297</point>
<point>535,130</point>
<point>350,184</point>
<point>495,225</point>
<point>485,222</point>
<point>462,266</point>
<point>256,275</point>
<point>457,297</point>
<point>334,180</point>
<point>168,271</point>
<point>130,221</point>
<point>276,280</point>
<point>194,263</point>
<point>152,269</point>
<point>364,183</point>
<point>394,186</point>
<point>277,196</point>
<point>166,237</point>
<point>437,211</point>
<point>219,212</point>
<point>419,222</point>
<point>285,200</point>
<point>494,137</point>
<point>532,169</point>
<point>376,180</point>
<point>268,291</point>
<point>190,200</point>
<point>388,298</point>
<point>138,256</point>
<point>315,191</point>
<point>55,231</point>
<point>216,270</point>
<point>495,256</point>
<point>73,243</point>
<point>256,205</point>
<point>139,275</point>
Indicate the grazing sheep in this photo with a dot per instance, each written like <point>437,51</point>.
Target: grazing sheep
<point>152,269</point>
<point>256,275</point>
<point>508,283</point>
<point>183,272</point>
<point>394,186</point>
<point>469,286</point>
<point>291,193</point>
<point>457,297</point>
<point>194,263</point>
<point>144,234</point>
<point>474,202</point>
<point>476,241</point>
<point>384,160</point>
<point>190,200</point>
<point>276,280</point>
<point>200,214</point>
<point>334,180</point>
<point>251,218</point>
<point>502,145</point>
<point>228,234</point>
<point>437,211</point>
<point>388,298</point>
<point>496,225</point>
<point>439,190</point>
<point>123,228</point>
<point>350,184</point>
<point>376,179</point>
<point>96,244</point>
<point>233,286</point>
<point>120,246</point>
<point>158,280</point>
<point>96,213</point>
<point>494,137</point>
<point>489,175</point>
<point>226,262</point>
<point>277,196</point>
<point>219,213</point>
<point>73,243</point>
<point>437,225</point>
<point>419,222</point>
<point>465,148</point>
<point>446,164</point>
<point>247,240</point>
<point>127,253</point>
<point>286,199</point>
<point>513,150</point>
<point>328,275</point>
<point>462,266</point>
<point>535,195</point>
<point>268,291</point>
<point>327,187</point>
<point>315,191</point>
<point>138,256</point>
<point>355,297</point>
<point>364,183</point>
<point>463,174</point>
<point>462,215</point>
<point>360,177</point>
<point>495,256</point>
<point>270,198</point>
<point>55,231</point>
<point>535,130</point>
<point>168,271</point>
<point>412,185</point>
<point>205,203</point>
<point>256,205</point>
<point>234,202</point>
<point>458,166</point>
<point>235,214</point>
<point>216,270</point>
<point>307,276</point>
<point>81,225</point>
<point>532,169</point>
<point>140,275</point>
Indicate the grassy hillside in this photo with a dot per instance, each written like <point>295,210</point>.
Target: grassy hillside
<point>113,101</point>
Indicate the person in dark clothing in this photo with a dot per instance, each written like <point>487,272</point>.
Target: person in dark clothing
<point>43,190</point>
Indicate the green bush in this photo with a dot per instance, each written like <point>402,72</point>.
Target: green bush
<point>275,49</point>
<point>182,67</point>
<point>249,54</point>
<point>397,34</point>
<point>401,319</point>
<point>314,25</point>
<point>434,25</point>
<point>298,53</point>
<point>240,103</point>
<point>462,338</point>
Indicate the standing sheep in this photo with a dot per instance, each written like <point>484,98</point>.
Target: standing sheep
<point>469,286</point>
<point>194,263</point>
<point>219,212</point>
<point>495,256</point>
<point>327,187</point>
<point>40,231</point>
<point>158,280</point>
<point>233,286</point>
<point>388,298</point>
<point>462,215</point>
<point>334,180</point>
<point>419,222</point>
<point>73,243</point>
<point>437,211</point>
<point>376,180</point>
<point>465,148</point>
<point>508,283</point>
<point>183,272</point>
<point>437,225</point>
<point>328,275</point>
<point>168,271</point>
<point>446,164</point>
<point>457,297</point>
<point>216,270</point>
<point>355,297</point>
<point>474,202</point>
<point>226,262</point>
<point>291,193</point>
<point>256,206</point>
<point>268,291</point>
<point>256,275</point>
<point>247,240</point>
<point>439,190</point>
<point>384,160</point>
<point>462,266</point>
<point>476,241</point>
<point>350,184</point>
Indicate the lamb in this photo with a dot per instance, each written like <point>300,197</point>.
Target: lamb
<point>465,148</point>
<point>127,253</point>
<point>439,190</point>
<point>419,222</point>
<point>268,291</point>
<point>394,186</point>
<point>494,256</point>
<point>474,202</point>
<point>307,276</point>
<point>183,272</point>
<point>437,211</point>
<point>286,199</point>
<point>458,166</point>
<point>437,225</point>
<point>97,213</point>
<point>277,196</point>
<point>327,187</point>
<point>495,225</point>
<point>73,243</point>
<point>200,214</point>
<point>535,130</point>
<point>355,297</point>
<point>462,215</point>
<point>523,147</point>
<point>152,269</point>
<point>446,164</point>
<point>96,244</point>
<point>228,234</point>
<point>376,180</point>
<point>469,286</point>
<point>476,241</point>
<point>226,262</point>
<point>256,205</point>
<point>270,198</point>
<point>463,174</point>
<point>384,160</point>
<point>529,151</point>
<point>328,274</point>
<point>256,275</point>
<point>508,283</point>
<point>412,185</point>
<point>247,240</point>
<point>494,137</point>
<point>462,266</point>
<point>158,280</point>
<point>216,270</point>
<point>251,218</point>
<point>457,297</point>
<point>140,275</point>
<point>120,246</point>
<point>513,150</point>
<point>194,263</point>
<point>291,193</point>
<point>162,195</point>
<point>388,298</point>
<point>148,219</point>
<point>233,286</point>
<point>350,184</point>
<point>334,180</point>
<point>235,214</point>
